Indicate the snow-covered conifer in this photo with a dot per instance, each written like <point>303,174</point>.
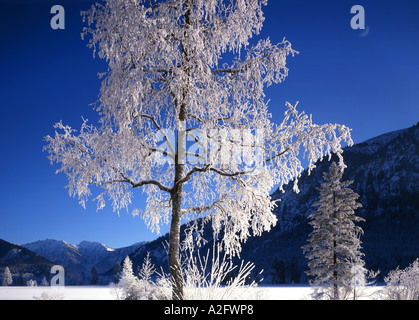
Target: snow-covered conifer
<point>183,116</point>
<point>32,283</point>
<point>7,277</point>
<point>44,282</point>
<point>147,288</point>
<point>334,248</point>
<point>147,269</point>
<point>128,282</point>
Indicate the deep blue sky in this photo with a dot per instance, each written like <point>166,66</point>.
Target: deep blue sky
<point>367,82</point>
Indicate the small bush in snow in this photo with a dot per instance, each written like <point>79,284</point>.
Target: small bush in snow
<point>53,294</point>
<point>31,283</point>
<point>131,287</point>
<point>403,284</point>
<point>127,287</point>
<point>205,278</point>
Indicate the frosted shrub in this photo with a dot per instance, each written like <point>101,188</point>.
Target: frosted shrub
<point>51,294</point>
<point>206,277</point>
<point>44,282</point>
<point>149,290</point>
<point>31,283</point>
<point>403,284</point>
<point>131,287</point>
<point>128,285</point>
<point>162,287</point>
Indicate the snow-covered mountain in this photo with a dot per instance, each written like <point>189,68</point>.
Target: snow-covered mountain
<point>81,258</point>
<point>22,263</point>
<point>60,252</point>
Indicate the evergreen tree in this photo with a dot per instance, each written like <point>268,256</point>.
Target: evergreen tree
<point>7,277</point>
<point>116,271</point>
<point>128,282</point>
<point>95,277</point>
<point>147,269</point>
<point>44,282</point>
<point>19,280</point>
<point>294,270</point>
<point>279,271</point>
<point>334,246</point>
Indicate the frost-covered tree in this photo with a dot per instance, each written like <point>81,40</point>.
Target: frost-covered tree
<point>147,269</point>
<point>147,287</point>
<point>130,287</point>
<point>32,283</point>
<point>44,282</point>
<point>334,248</point>
<point>183,116</point>
<point>7,277</point>
<point>403,284</point>
<point>128,282</point>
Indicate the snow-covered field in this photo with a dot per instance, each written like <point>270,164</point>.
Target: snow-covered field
<point>106,293</point>
<point>57,293</point>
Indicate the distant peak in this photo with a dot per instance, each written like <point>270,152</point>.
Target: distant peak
<point>93,244</point>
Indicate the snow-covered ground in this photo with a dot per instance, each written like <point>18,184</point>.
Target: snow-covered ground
<point>57,293</point>
<point>296,292</point>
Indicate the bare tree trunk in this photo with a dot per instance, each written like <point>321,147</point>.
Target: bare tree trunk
<point>174,244</point>
<point>335,260</point>
<point>335,275</point>
<point>176,194</point>
<point>176,198</point>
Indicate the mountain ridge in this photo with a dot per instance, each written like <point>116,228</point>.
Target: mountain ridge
<point>81,258</point>
<point>23,263</point>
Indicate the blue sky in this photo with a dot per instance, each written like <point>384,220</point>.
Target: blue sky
<point>369,82</point>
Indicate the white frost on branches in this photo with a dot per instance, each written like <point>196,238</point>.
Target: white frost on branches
<point>403,284</point>
<point>185,87</point>
<point>207,277</point>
